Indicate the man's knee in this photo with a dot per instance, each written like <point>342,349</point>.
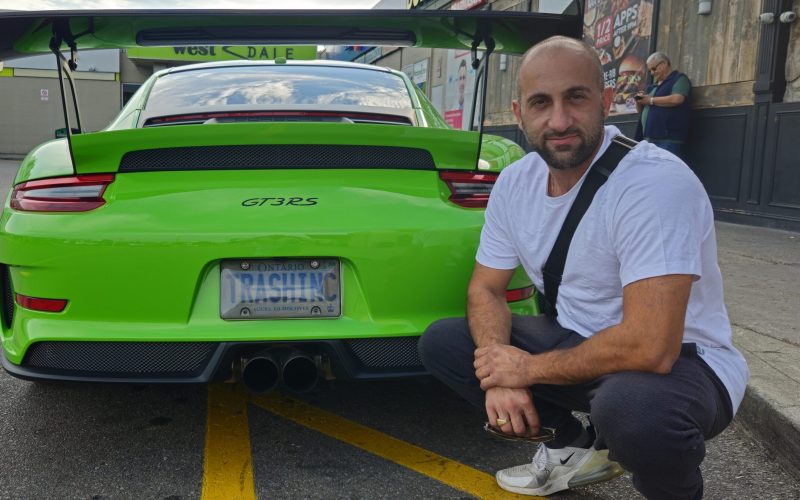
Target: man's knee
<point>442,335</point>
<point>646,432</point>
<point>446,342</point>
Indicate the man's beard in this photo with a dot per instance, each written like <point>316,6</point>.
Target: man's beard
<point>577,154</point>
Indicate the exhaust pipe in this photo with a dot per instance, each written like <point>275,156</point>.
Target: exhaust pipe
<point>299,372</point>
<point>260,373</point>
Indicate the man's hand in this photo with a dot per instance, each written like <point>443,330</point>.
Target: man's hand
<point>500,365</point>
<point>639,100</point>
<point>516,407</point>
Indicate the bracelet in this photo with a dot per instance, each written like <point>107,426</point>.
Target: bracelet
<point>651,100</point>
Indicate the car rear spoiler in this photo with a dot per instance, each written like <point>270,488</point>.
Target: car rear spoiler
<point>25,33</point>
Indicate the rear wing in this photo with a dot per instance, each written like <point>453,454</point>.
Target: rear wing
<point>28,33</point>
<point>25,33</point>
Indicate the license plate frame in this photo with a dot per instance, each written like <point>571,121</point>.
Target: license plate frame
<point>280,288</point>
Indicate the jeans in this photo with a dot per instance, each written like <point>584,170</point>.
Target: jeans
<point>653,425</point>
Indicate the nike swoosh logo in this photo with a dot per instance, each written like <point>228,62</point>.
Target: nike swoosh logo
<point>567,459</point>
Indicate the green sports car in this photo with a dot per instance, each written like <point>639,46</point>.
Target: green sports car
<point>273,222</point>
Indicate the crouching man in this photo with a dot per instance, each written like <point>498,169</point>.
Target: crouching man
<point>639,337</point>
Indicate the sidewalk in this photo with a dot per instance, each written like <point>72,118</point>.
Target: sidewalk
<point>761,273</point>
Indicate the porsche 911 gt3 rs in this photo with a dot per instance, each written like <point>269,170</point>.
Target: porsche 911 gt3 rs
<point>273,221</point>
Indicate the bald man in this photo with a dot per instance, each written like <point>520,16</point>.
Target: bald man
<point>639,338</point>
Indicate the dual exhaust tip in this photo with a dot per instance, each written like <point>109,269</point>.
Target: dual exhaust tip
<point>264,371</point>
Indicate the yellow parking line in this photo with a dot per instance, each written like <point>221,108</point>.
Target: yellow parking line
<point>228,464</point>
<point>449,472</point>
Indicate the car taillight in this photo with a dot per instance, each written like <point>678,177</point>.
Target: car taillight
<point>80,193</point>
<point>469,189</point>
<point>518,294</point>
<point>37,304</point>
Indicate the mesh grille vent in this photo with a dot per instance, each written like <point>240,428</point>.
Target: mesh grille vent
<point>122,358</point>
<point>386,353</point>
<point>277,156</point>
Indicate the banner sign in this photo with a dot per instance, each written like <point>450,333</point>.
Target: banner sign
<point>620,31</point>
<point>224,52</point>
<point>458,89</point>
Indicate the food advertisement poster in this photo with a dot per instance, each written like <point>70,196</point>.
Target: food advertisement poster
<point>620,31</point>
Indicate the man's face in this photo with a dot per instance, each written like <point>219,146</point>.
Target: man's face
<point>659,69</point>
<point>561,107</point>
<point>462,82</point>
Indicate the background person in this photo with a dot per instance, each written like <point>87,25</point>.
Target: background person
<point>665,107</point>
<point>642,340</point>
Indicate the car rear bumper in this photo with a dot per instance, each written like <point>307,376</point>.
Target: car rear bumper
<point>203,362</point>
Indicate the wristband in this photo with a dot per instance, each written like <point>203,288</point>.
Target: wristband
<point>651,101</point>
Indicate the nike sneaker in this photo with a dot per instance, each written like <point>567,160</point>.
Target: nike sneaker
<point>558,469</point>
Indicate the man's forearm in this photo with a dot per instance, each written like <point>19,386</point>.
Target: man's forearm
<point>609,351</point>
<point>489,318</point>
<point>667,101</point>
<point>648,339</point>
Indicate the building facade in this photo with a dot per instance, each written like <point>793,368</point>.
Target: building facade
<point>743,58</point>
<point>30,98</point>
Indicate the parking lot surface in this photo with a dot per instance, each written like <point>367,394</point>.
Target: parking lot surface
<point>390,439</point>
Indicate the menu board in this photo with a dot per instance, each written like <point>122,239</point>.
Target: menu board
<point>620,31</point>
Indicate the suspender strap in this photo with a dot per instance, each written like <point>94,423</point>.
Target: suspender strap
<point>553,269</point>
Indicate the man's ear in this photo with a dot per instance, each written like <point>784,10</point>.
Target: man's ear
<point>517,113</point>
<point>608,98</point>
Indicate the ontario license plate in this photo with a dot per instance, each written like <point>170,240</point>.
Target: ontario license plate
<point>280,288</point>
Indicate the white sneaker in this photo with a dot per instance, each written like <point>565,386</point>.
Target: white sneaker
<point>557,470</point>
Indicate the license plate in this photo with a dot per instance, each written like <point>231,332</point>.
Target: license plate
<point>280,288</point>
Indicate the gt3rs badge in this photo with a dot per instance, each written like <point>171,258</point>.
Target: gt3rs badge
<point>296,201</point>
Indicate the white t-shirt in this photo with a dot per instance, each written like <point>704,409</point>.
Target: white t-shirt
<point>651,218</point>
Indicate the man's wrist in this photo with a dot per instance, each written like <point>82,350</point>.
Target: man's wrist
<point>531,374</point>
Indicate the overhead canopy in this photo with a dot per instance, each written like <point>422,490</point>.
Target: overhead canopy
<point>24,33</point>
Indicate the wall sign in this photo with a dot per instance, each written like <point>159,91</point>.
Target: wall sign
<point>620,32</point>
<point>224,52</point>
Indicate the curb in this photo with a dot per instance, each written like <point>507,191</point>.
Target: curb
<point>771,406</point>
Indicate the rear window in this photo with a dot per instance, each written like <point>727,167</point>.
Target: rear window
<point>278,85</point>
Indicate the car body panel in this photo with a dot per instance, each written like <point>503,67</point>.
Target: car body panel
<point>136,274</point>
<point>50,159</point>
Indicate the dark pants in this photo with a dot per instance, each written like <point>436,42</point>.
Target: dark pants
<point>654,425</point>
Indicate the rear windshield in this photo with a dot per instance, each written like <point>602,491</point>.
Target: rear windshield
<point>278,85</point>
